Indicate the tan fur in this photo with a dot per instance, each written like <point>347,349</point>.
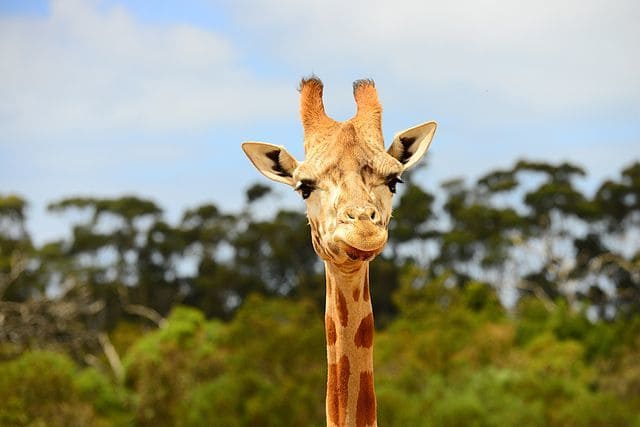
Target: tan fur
<point>314,119</point>
<point>346,176</point>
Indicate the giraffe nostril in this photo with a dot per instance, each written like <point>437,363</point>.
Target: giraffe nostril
<point>360,213</point>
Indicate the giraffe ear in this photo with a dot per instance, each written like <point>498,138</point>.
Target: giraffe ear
<point>410,145</point>
<point>272,161</point>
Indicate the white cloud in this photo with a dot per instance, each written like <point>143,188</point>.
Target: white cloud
<point>87,69</point>
<point>543,56</point>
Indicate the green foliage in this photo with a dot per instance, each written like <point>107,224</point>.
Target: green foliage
<point>12,207</point>
<point>480,232</point>
<point>498,181</point>
<point>162,366</point>
<point>532,319</point>
<point>128,208</point>
<point>257,191</point>
<point>488,397</point>
<point>18,278</point>
<point>195,371</point>
<point>108,400</point>
<point>621,200</point>
<point>274,382</point>
<point>413,211</point>
<point>42,388</point>
<point>451,357</point>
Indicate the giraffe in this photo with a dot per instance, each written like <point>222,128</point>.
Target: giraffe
<point>347,180</point>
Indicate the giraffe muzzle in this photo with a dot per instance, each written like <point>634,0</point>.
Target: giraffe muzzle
<point>362,239</point>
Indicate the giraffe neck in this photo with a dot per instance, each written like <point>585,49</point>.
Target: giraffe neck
<point>351,397</point>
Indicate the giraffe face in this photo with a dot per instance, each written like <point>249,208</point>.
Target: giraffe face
<point>347,186</point>
<point>347,179</point>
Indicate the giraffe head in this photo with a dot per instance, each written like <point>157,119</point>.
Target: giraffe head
<point>347,179</point>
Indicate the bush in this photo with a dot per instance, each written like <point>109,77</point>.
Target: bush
<point>275,369</point>
<point>266,367</point>
<point>44,388</point>
<point>450,358</point>
<point>164,365</point>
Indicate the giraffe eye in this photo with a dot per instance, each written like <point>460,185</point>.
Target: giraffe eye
<point>305,187</point>
<point>391,182</point>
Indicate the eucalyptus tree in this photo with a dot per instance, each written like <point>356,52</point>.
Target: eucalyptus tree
<point>104,250</point>
<point>18,263</point>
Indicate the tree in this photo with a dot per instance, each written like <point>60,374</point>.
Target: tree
<point>18,263</point>
<point>604,256</point>
<point>480,236</point>
<point>105,250</point>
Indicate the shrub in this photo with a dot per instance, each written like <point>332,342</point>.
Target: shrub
<point>45,388</point>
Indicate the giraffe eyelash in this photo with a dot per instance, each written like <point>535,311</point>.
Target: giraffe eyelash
<point>391,182</point>
<point>305,187</point>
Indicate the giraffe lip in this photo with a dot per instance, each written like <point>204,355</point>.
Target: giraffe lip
<point>358,254</point>
<point>361,241</point>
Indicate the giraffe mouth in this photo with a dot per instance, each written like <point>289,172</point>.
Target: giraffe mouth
<point>357,254</point>
<point>361,243</point>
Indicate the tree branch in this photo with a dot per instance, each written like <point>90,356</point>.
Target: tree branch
<point>112,356</point>
<point>147,313</point>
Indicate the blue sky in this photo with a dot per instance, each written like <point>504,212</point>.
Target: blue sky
<point>114,97</point>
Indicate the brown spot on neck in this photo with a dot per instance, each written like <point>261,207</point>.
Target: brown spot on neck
<point>366,406</point>
<point>356,293</point>
<point>364,334</point>
<point>343,311</point>
<point>330,327</point>
<point>343,389</point>
<point>332,395</point>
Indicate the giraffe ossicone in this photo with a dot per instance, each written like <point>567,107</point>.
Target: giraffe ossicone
<point>347,181</point>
